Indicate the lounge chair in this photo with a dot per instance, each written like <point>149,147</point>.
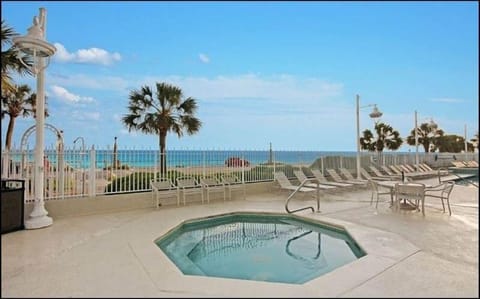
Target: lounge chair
<point>337,178</point>
<point>396,170</point>
<point>211,184</point>
<point>379,174</point>
<point>471,163</point>
<point>302,177</point>
<point>285,184</point>
<point>347,174</point>
<point>188,185</point>
<point>403,171</point>
<point>423,168</point>
<point>233,183</point>
<point>428,168</point>
<point>458,164</point>
<point>389,172</point>
<point>367,176</point>
<point>410,171</point>
<point>163,188</point>
<point>322,179</point>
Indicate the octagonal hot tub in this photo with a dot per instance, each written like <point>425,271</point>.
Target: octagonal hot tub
<point>259,246</point>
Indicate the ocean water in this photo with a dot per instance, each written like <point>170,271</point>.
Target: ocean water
<point>183,158</point>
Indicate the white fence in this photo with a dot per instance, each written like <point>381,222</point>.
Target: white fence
<point>80,173</point>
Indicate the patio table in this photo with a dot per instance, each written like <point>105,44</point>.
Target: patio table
<point>391,185</point>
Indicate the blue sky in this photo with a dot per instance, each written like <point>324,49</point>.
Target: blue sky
<point>279,72</point>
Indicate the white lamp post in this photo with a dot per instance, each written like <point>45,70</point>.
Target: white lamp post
<point>34,45</point>
<point>374,114</point>
<point>432,125</point>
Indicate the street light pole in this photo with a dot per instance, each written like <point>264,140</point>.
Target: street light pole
<point>374,114</point>
<point>34,44</point>
<point>416,143</point>
<point>358,136</point>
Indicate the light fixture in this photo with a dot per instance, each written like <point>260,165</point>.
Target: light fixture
<point>374,114</point>
<point>34,45</point>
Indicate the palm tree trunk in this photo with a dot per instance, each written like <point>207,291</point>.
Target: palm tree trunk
<point>8,139</point>
<point>163,157</point>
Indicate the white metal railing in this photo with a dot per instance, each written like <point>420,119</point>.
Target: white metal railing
<point>88,171</point>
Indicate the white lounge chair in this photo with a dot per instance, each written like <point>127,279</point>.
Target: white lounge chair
<point>302,177</point>
<point>163,188</point>
<point>389,172</point>
<point>379,174</point>
<point>285,184</point>
<point>212,184</point>
<point>189,185</point>
<point>367,176</point>
<point>322,179</point>
<point>337,178</point>
<point>233,183</point>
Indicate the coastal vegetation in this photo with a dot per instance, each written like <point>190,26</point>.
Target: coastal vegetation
<point>386,137</point>
<point>160,113</point>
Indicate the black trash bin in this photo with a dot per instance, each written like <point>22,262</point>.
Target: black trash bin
<point>12,205</point>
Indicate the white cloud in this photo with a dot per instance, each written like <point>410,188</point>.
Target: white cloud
<point>66,96</point>
<point>447,100</point>
<point>92,81</point>
<point>251,86</point>
<point>91,55</point>
<point>204,58</point>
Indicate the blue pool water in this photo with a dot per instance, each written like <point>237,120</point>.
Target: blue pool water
<point>264,247</point>
<point>467,181</point>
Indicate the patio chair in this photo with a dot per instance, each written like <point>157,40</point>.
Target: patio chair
<point>378,173</point>
<point>163,188</point>
<point>322,179</point>
<point>337,178</point>
<point>367,176</point>
<point>443,192</point>
<point>285,184</point>
<point>349,176</point>
<point>212,184</point>
<point>377,192</point>
<point>188,185</point>
<point>233,183</point>
<point>302,177</point>
<point>414,193</point>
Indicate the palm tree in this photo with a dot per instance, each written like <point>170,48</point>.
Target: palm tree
<point>18,102</point>
<point>474,141</point>
<point>158,114</point>
<point>387,137</point>
<point>10,61</point>
<point>427,136</point>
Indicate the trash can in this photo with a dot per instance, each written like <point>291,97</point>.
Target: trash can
<point>12,205</point>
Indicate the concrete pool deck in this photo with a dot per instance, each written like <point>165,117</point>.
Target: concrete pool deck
<point>113,254</point>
